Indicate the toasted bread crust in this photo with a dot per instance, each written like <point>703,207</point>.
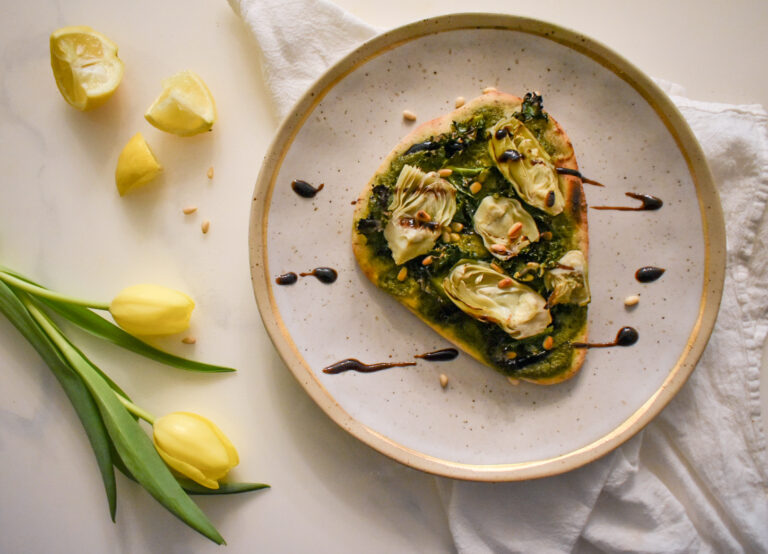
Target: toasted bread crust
<point>571,185</point>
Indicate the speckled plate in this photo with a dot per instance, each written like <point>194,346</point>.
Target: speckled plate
<point>626,133</point>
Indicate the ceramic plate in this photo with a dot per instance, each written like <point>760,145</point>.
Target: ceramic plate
<point>627,135</point>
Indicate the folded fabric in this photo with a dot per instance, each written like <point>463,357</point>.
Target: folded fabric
<point>299,40</point>
<point>696,479</point>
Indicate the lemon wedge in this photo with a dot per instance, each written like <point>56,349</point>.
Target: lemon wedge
<point>185,107</point>
<point>85,66</point>
<point>136,166</point>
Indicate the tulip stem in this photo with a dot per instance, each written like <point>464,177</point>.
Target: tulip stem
<point>135,410</point>
<point>70,354</point>
<point>49,294</point>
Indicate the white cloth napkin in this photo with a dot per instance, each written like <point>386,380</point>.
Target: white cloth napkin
<point>696,478</point>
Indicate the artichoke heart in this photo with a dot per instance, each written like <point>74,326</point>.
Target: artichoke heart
<point>505,227</point>
<point>526,165</point>
<point>569,281</point>
<point>519,310</point>
<point>422,204</point>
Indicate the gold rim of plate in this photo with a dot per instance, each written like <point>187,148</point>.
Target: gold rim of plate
<point>709,205</point>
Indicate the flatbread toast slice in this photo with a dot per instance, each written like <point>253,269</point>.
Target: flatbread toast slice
<point>427,220</point>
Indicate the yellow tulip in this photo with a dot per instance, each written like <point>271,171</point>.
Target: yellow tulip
<point>194,447</point>
<point>152,310</point>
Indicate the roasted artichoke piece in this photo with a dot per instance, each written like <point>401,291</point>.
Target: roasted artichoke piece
<point>504,225</point>
<point>526,165</point>
<point>569,281</point>
<point>422,204</point>
<point>488,295</point>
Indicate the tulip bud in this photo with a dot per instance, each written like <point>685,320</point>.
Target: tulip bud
<point>152,310</point>
<point>194,447</point>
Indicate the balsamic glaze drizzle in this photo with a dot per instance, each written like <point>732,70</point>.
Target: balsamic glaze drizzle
<point>304,189</point>
<point>421,146</point>
<point>351,364</point>
<point>443,355</point>
<point>649,203</point>
<point>325,275</point>
<point>574,173</point>
<point>510,156</point>
<point>627,336</point>
<point>649,273</point>
<point>287,278</point>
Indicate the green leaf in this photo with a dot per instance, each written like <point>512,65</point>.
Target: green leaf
<point>73,386</point>
<point>224,488</point>
<point>193,488</point>
<point>102,328</point>
<point>131,442</point>
<point>105,329</point>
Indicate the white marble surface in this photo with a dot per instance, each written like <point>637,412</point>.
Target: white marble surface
<point>62,222</point>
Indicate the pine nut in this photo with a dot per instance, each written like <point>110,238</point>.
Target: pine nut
<point>460,101</point>
<point>445,172</point>
<point>189,210</point>
<point>408,115</point>
<point>513,381</point>
<point>505,283</point>
<point>515,230</point>
<point>210,172</point>
<point>511,355</point>
<point>475,187</point>
<point>443,380</point>
<point>630,301</point>
<point>548,343</point>
<point>427,261</point>
<point>189,340</point>
<point>455,237</point>
<point>486,90</point>
<point>498,248</point>
<point>457,227</point>
<point>496,267</point>
<point>401,276</point>
<point>546,235</point>
<point>446,236</point>
<point>204,226</point>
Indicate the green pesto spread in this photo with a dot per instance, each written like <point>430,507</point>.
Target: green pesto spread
<point>465,151</point>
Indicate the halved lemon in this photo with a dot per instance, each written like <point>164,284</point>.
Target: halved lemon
<point>136,166</point>
<point>185,107</point>
<point>85,66</point>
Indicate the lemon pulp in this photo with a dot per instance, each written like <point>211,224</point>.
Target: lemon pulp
<point>185,107</point>
<point>85,66</point>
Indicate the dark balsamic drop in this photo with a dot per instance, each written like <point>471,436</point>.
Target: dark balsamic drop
<point>427,145</point>
<point>443,355</point>
<point>627,336</point>
<point>501,133</point>
<point>325,275</point>
<point>304,189</point>
<point>648,274</point>
<point>287,278</point>
<point>649,203</point>
<point>550,199</point>
<point>510,156</point>
<point>351,364</point>
<point>574,173</point>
